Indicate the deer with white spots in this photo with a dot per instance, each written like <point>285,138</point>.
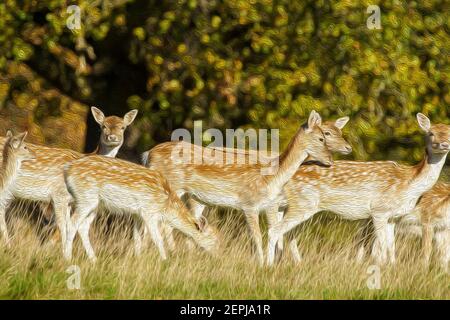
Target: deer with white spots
<point>334,141</point>
<point>433,210</point>
<point>112,129</point>
<point>380,190</point>
<point>430,219</point>
<point>240,186</point>
<point>42,180</point>
<point>128,188</point>
<point>15,151</point>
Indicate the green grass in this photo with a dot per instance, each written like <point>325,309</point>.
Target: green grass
<point>34,269</point>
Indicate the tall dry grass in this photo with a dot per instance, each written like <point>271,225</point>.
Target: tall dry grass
<point>34,269</point>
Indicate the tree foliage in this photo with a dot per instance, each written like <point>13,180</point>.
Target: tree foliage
<point>237,63</point>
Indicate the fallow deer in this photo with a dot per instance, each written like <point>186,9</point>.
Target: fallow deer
<point>42,179</point>
<point>434,212</point>
<point>15,151</point>
<point>334,141</point>
<point>239,186</point>
<point>430,219</point>
<point>380,190</point>
<point>112,129</point>
<point>131,189</point>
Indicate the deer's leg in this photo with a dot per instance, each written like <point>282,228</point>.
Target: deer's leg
<point>273,216</point>
<point>167,231</point>
<point>380,245</point>
<point>293,247</point>
<point>137,238</point>
<point>62,216</point>
<point>83,231</point>
<point>82,212</point>
<point>442,243</point>
<point>280,243</point>
<point>364,238</point>
<point>54,234</point>
<point>196,207</point>
<point>427,242</point>
<point>391,242</point>
<point>294,215</point>
<point>151,222</point>
<point>252,217</point>
<point>4,203</point>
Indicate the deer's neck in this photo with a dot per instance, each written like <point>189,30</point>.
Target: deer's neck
<point>9,170</point>
<point>107,151</point>
<point>428,171</point>
<point>289,161</point>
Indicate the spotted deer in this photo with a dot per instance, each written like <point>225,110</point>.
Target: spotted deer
<point>15,151</point>
<point>240,186</point>
<point>430,220</point>
<point>434,212</point>
<point>42,180</point>
<point>334,141</point>
<point>128,188</point>
<point>112,129</point>
<point>379,190</point>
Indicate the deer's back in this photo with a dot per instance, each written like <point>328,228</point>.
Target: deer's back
<point>221,183</point>
<point>352,189</point>
<point>116,181</point>
<point>434,205</point>
<point>42,176</point>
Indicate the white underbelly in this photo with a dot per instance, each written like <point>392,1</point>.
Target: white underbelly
<point>350,211</point>
<point>217,199</point>
<point>33,192</point>
<point>114,199</point>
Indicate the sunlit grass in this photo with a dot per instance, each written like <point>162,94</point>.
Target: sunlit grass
<point>34,269</point>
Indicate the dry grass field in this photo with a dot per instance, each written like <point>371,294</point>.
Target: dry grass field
<point>33,268</point>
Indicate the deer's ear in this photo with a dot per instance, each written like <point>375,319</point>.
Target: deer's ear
<point>129,117</point>
<point>21,137</point>
<point>9,134</point>
<point>17,140</point>
<point>314,120</point>
<point>341,122</point>
<point>424,122</point>
<point>202,224</point>
<point>98,115</point>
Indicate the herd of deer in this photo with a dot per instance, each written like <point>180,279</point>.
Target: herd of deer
<point>73,186</point>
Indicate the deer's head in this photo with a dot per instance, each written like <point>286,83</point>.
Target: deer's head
<point>112,127</point>
<point>335,142</point>
<point>438,135</point>
<point>314,140</point>
<point>16,147</point>
<point>209,235</point>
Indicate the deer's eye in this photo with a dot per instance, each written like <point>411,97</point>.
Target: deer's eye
<point>431,134</point>
<point>123,128</point>
<point>327,133</point>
